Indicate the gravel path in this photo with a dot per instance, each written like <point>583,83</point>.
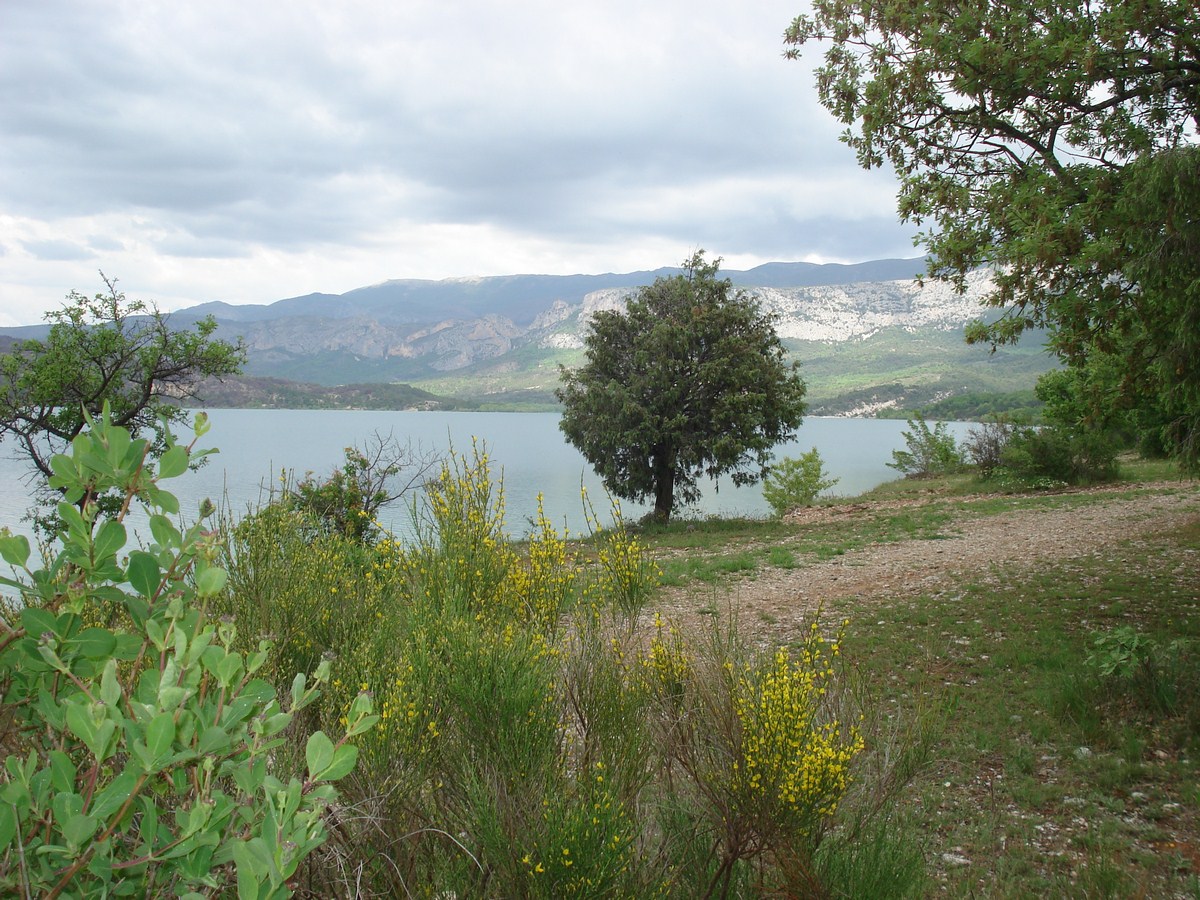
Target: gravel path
<point>780,600</point>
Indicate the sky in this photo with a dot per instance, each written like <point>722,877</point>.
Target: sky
<point>255,150</point>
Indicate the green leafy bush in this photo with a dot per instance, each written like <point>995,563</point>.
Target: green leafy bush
<point>985,445</point>
<point>793,483</point>
<point>1161,678</point>
<point>1056,455</point>
<point>533,742</point>
<point>349,499</point>
<point>143,746</point>
<point>930,451</point>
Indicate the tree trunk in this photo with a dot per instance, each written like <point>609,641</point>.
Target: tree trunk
<point>664,485</point>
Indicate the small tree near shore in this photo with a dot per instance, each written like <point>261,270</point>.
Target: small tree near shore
<point>793,483</point>
<point>930,451</point>
<point>104,350</point>
<point>690,379</point>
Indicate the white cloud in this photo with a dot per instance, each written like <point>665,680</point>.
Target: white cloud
<point>252,151</point>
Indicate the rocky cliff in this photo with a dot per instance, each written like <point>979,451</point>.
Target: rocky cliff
<point>328,341</point>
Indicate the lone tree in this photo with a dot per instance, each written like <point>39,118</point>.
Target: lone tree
<point>106,348</point>
<point>1055,142</point>
<point>689,380</point>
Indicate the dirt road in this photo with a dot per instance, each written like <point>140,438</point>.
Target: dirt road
<point>969,546</point>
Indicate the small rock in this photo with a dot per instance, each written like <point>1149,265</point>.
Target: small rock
<point>953,859</point>
<point>1083,752</point>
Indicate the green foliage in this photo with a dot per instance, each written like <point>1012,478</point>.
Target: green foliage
<point>985,444</point>
<point>1053,456</point>
<point>349,499</point>
<point>532,742</point>
<point>1081,438</point>
<point>793,483</point>
<point>1119,653</point>
<point>104,350</point>
<point>1054,143</point>
<point>144,749</point>
<point>930,451</point>
<point>261,392</point>
<point>975,406</point>
<point>689,380</point>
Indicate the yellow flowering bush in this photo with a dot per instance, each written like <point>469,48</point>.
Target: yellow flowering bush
<point>754,754</point>
<point>531,740</point>
<point>626,575</point>
<point>540,584</point>
<point>667,663</point>
<point>791,767</point>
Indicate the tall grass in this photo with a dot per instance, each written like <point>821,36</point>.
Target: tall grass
<point>533,742</point>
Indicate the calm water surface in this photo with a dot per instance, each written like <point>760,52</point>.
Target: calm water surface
<point>256,446</point>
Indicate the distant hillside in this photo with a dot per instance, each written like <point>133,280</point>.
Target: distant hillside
<point>522,298</point>
<point>248,392</point>
<point>868,335</point>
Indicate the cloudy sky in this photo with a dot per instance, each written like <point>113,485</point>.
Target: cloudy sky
<point>259,149</point>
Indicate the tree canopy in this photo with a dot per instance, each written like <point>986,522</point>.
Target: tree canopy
<point>1054,141</point>
<point>690,379</point>
<point>98,350</point>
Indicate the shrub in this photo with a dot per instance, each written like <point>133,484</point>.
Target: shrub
<point>793,483</point>
<point>929,451</point>
<point>1160,679</point>
<point>1054,454</point>
<point>985,444</point>
<point>349,499</point>
<point>755,753</point>
<point>532,742</point>
<point>144,755</point>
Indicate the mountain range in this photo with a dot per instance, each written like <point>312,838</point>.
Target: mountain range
<point>869,336</point>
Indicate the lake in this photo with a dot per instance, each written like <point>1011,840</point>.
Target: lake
<point>527,449</point>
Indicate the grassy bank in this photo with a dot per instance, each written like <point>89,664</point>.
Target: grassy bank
<point>921,706</point>
<point>1065,697</point>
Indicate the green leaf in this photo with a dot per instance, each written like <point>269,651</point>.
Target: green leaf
<point>229,668</point>
<point>210,581</point>
<point>110,537</point>
<point>66,805</point>
<point>156,634</point>
<point>78,829</point>
<point>148,826</point>
<point>298,684</point>
<point>272,725</point>
<point>79,720</point>
<point>14,548</point>
<point>62,771</point>
<point>214,741</point>
<point>164,532</point>
<point>103,741</point>
<point>248,775</point>
<point>248,879</point>
<point>164,500</point>
<point>143,573</point>
<point>366,723</point>
<point>37,622</point>
<point>110,687</point>
<point>77,528</point>
<point>8,825</point>
<point>174,462</point>
<point>160,734</point>
<point>318,753</point>
<point>96,643</point>
<point>344,759</point>
<point>112,797</point>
